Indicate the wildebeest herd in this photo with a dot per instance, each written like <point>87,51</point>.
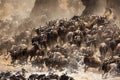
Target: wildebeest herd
<point>95,38</point>
<point>21,75</point>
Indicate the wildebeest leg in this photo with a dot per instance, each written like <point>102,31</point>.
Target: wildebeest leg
<point>13,62</point>
<point>95,44</point>
<point>62,40</point>
<point>78,43</point>
<point>31,58</point>
<point>102,55</point>
<point>112,53</point>
<point>104,75</point>
<point>45,45</point>
<point>7,56</point>
<point>88,44</point>
<point>41,45</point>
<point>85,68</point>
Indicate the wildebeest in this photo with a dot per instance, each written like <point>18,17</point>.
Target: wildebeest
<point>70,37</point>
<point>117,50</point>
<point>65,77</point>
<point>103,50</point>
<point>19,54</point>
<point>77,40</point>
<point>92,62</point>
<point>32,52</point>
<point>109,65</point>
<point>33,77</point>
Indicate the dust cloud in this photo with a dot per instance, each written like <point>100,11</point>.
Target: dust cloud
<point>40,11</point>
<point>21,8</point>
<point>45,10</point>
<point>98,7</point>
<point>94,7</point>
<point>12,14</point>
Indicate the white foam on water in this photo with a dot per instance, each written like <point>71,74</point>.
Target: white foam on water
<point>77,74</point>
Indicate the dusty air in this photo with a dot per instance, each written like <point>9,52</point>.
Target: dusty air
<point>59,40</point>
